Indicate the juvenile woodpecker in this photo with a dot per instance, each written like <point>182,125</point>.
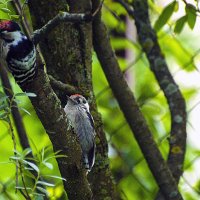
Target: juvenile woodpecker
<point>17,51</point>
<point>78,114</point>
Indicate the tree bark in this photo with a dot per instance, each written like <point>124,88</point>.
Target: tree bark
<point>67,52</point>
<point>131,111</point>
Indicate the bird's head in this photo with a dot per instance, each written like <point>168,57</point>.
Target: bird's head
<point>8,26</point>
<point>9,30</point>
<point>78,99</point>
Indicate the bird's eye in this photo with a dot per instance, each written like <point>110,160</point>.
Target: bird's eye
<point>78,101</point>
<point>84,101</point>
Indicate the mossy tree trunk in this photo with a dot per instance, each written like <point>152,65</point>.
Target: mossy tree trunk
<point>67,52</point>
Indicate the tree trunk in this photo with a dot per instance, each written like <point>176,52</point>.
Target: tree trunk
<point>67,52</point>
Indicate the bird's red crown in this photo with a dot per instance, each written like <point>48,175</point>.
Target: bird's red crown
<point>9,25</point>
<point>5,24</point>
<point>76,95</point>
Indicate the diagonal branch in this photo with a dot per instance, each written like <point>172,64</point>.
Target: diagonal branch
<point>14,109</point>
<point>58,19</point>
<point>131,111</point>
<point>63,86</point>
<point>172,93</point>
<point>149,43</point>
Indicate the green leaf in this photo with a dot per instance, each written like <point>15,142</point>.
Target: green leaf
<point>3,115</point>
<point>45,183</point>
<point>32,159</point>
<point>2,107</point>
<point>15,158</point>
<point>29,174</point>
<point>20,94</point>
<point>42,190</point>
<point>28,94</point>
<point>5,10</point>
<point>48,165</point>
<point>191,15</point>
<point>180,24</point>
<point>42,154</point>
<point>22,188</point>
<point>57,152</point>
<point>55,156</point>
<point>18,153</point>
<point>34,166</point>
<point>165,15</point>
<point>176,7</point>
<point>26,111</point>
<point>26,151</point>
<point>3,98</point>
<point>15,16</point>
<point>28,168</point>
<point>38,196</point>
<point>17,101</point>
<point>56,177</point>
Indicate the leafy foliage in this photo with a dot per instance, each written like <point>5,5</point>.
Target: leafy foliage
<point>165,15</point>
<point>180,24</point>
<point>191,15</point>
<point>6,10</point>
<point>30,170</point>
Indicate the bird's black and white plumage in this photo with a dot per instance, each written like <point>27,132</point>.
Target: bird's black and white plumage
<point>17,51</point>
<point>78,114</point>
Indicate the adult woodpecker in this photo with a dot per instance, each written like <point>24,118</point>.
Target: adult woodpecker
<point>78,114</point>
<point>17,51</point>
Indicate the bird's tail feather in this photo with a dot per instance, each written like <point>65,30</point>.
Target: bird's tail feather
<point>88,159</point>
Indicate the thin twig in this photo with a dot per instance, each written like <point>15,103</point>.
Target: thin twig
<point>69,89</point>
<point>18,7</point>
<point>98,9</point>
<point>23,7</point>
<point>15,150</point>
<point>14,109</point>
<point>23,181</point>
<point>23,194</point>
<point>59,18</point>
